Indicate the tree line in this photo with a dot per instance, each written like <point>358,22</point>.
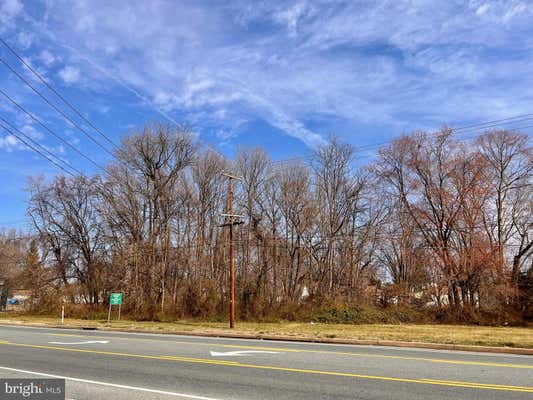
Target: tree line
<point>433,222</point>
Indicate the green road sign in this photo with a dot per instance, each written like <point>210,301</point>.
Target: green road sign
<point>116,299</point>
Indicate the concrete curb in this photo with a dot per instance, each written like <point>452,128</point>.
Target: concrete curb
<point>365,342</point>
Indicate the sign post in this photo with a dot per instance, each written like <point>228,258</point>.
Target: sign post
<point>114,300</point>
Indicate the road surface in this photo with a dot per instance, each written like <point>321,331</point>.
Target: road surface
<point>109,365</point>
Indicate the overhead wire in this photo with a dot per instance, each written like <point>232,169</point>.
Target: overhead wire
<point>46,150</point>
<point>459,130</point>
<point>455,131</point>
<point>35,147</point>
<point>49,86</point>
<point>463,129</point>
<point>70,120</point>
<point>496,122</point>
<point>38,121</point>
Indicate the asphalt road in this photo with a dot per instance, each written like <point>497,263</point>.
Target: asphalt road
<point>105,365</point>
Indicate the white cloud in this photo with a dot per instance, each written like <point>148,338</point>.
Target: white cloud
<point>69,74</point>
<point>102,108</point>
<point>25,40</point>
<point>291,16</point>
<point>47,58</point>
<point>29,73</point>
<point>32,132</point>
<point>482,9</point>
<point>516,10</point>
<point>389,64</point>
<point>9,9</point>
<point>225,135</point>
<point>9,143</point>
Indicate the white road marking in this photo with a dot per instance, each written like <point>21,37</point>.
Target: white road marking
<point>239,353</point>
<point>84,342</point>
<point>215,338</point>
<point>140,389</point>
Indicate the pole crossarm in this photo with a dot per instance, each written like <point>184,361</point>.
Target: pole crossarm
<point>231,224</point>
<point>231,176</point>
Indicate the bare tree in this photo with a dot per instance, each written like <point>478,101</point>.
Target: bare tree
<point>510,165</point>
<point>65,215</point>
<point>432,220</point>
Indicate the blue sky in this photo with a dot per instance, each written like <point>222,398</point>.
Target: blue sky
<point>282,75</point>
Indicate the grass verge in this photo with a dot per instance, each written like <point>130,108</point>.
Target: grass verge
<point>442,334</point>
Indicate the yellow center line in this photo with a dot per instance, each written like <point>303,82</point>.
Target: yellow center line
<point>425,381</point>
<point>339,353</point>
<point>473,385</point>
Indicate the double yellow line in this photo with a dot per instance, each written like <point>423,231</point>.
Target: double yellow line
<point>471,385</point>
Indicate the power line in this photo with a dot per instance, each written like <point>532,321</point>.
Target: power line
<point>463,130</point>
<point>460,130</point>
<point>497,121</point>
<point>465,139</point>
<point>69,104</point>
<point>55,107</point>
<point>34,148</point>
<point>49,130</point>
<point>479,126</point>
<point>13,130</point>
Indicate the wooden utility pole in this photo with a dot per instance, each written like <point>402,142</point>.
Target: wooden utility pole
<point>230,220</point>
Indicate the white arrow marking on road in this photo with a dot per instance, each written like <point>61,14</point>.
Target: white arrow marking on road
<point>85,342</point>
<point>239,353</point>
